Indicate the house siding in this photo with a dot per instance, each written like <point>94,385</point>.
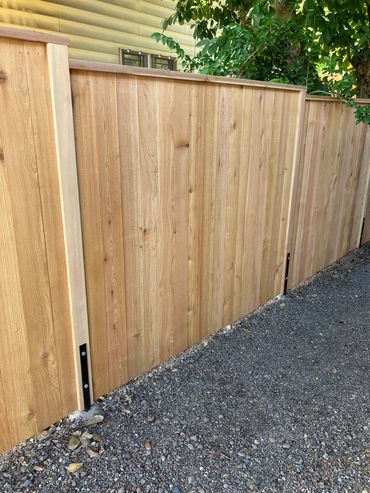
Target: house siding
<point>97,28</point>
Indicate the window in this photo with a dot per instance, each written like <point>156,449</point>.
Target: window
<point>140,59</point>
<point>133,58</point>
<point>163,62</point>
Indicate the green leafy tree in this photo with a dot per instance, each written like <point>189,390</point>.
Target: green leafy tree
<point>324,45</point>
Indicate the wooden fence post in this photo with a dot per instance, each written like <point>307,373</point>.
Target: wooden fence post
<point>293,188</point>
<point>68,180</point>
<point>365,229</point>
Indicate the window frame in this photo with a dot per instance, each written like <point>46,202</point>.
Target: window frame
<point>167,58</point>
<point>147,58</point>
<point>127,51</point>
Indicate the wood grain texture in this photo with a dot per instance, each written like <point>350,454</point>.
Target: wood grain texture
<point>331,191</point>
<point>185,189</point>
<point>71,242</point>
<point>35,354</point>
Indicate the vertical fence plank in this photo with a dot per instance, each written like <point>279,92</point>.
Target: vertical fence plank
<point>67,169</point>
<point>150,102</point>
<point>239,204</point>
<point>196,178</point>
<point>128,128</point>
<point>298,170</point>
<point>183,154</point>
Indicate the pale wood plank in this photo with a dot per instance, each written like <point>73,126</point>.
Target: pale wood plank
<point>196,178</point>
<point>236,122</point>
<point>113,231</point>
<point>181,163</point>
<point>288,155</point>
<point>149,104</point>
<point>60,96</point>
<point>293,205</point>
<point>274,182</point>
<point>216,314</point>
<point>173,155</point>
<point>166,219</point>
<point>254,211</point>
<point>267,191</point>
<point>133,224</point>
<point>209,167</point>
<point>241,298</point>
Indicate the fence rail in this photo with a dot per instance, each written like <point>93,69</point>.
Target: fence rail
<point>174,198</point>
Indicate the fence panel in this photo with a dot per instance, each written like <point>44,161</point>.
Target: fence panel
<point>331,188</point>
<point>36,352</point>
<point>185,191</point>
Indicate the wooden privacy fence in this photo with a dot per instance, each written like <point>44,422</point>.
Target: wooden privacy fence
<point>331,189</point>
<point>187,196</point>
<point>185,191</point>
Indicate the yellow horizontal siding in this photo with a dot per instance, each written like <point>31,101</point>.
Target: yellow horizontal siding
<point>130,8</point>
<point>97,29</point>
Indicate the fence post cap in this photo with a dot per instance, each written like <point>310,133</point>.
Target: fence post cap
<point>26,34</point>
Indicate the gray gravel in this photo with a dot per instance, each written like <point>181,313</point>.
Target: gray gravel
<point>279,403</point>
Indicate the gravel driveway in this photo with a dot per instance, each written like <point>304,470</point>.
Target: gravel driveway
<point>279,403</point>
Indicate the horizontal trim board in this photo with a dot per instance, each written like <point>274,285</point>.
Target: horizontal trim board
<point>31,35</point>
<point>328,99</point>
<point>147,72</point>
